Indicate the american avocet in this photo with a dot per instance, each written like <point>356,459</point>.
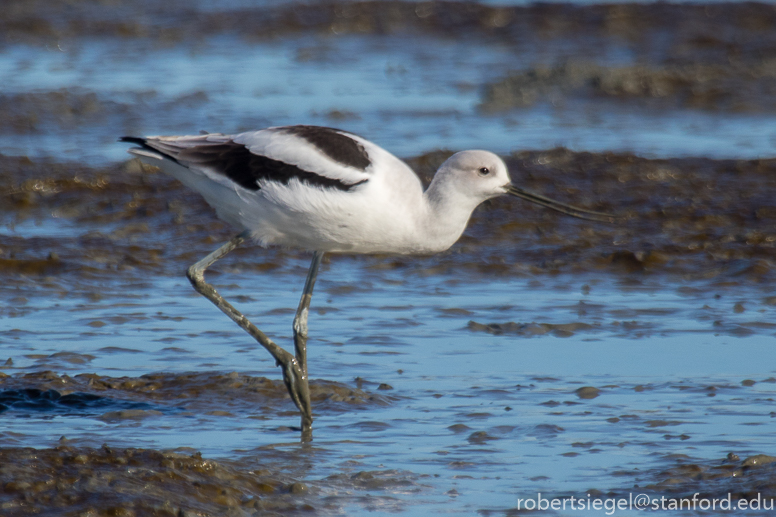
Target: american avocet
<point>326,190</point>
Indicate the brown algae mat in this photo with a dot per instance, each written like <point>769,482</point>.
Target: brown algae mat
<point>72,480</point>
<point>116,398</point>
<point>128,482</point>
<point>77,480</point>
<point>671,30</point>
<point>735,87</point>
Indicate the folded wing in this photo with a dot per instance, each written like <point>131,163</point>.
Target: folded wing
<point>314,156</point>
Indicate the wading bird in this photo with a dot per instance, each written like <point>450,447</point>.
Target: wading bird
<point>326,190</point>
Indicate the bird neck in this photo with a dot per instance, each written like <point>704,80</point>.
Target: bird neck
<point>447,213</point>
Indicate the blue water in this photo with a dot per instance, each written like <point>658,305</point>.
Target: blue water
<point>411,333</point>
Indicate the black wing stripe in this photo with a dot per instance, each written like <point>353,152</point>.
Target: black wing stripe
<point>334,144</point>
<point>238,163</point>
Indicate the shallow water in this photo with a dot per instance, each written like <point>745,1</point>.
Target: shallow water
<point>492,417</point>
<point>413,91</point>
<point>539,354</point>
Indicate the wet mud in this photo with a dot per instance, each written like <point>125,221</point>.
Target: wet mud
<point>742,478</point>
<point>31,112</point>
<point>531,329</point>
<point>725,87</point>
<point>116,398</point>
<point>716,31</point>
<point>74,480</point>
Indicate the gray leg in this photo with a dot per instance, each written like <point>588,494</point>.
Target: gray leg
<point>300,320</point>
<point>294,376</point>
<point>300,333</point>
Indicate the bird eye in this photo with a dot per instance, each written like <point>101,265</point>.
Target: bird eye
<point>484,171</point>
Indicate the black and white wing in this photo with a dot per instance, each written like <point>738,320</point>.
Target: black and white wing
<point>315,156</point>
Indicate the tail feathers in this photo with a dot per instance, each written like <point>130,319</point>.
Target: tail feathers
<point>144,149</point>
<point>133,140</point>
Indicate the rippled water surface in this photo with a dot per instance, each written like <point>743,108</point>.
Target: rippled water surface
<point>474,419</point>
<point>539,354</point>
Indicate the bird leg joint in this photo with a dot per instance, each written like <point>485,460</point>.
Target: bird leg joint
<point>297,387</point>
